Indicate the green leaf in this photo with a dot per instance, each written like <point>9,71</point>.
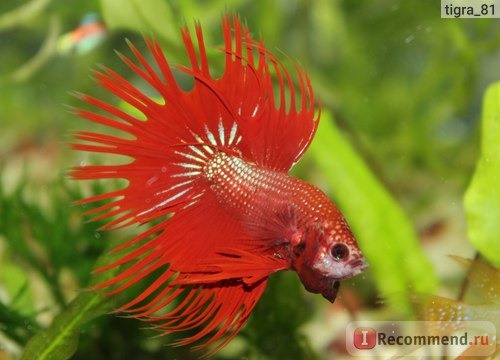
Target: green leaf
<point>22,14</point>
<point>14,280</point>
<point>142,16</point>
<point>482,198</point>
<point>384,233</point>
<point>60,340</point>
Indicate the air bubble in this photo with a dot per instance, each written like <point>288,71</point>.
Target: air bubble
<point>409,39</point>
<point>151,180</point>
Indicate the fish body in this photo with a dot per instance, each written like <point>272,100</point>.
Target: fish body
<point>295,220</point>
<point>210,168</point>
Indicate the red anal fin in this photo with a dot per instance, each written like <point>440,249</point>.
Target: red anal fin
<point>232,263</point>
<point>211,278</point>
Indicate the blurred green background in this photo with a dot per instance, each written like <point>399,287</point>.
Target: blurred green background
<point>404,87</point>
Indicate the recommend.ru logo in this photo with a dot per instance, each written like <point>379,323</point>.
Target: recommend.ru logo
<point>420,338</point>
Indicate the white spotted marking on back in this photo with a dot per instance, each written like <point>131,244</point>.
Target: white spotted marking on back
<point>232,134</point>
<point>199,152</point>
<point>208,149</point>
<point>210,136</point>
<point>189,165</point>
<point>255,110</point>
<point>193,160</point>
<point>221,133</point>
<point>190,173</point>
<point>190,156</point>
<point>174,187</point>
<point>164,202</point>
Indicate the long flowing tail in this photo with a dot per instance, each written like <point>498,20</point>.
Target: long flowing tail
<point>170,138</point>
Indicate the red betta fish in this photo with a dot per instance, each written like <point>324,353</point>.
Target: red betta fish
<point>209,168</point>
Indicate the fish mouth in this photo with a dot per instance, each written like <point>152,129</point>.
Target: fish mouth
<point>353,268</point>
<point>358,265</point>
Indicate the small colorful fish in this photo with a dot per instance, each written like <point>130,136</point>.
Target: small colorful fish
<point>90,33</point>
<point>479,302</point>
<point>209,169</point>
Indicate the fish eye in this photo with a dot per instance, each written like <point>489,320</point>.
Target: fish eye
<point>340,252</point>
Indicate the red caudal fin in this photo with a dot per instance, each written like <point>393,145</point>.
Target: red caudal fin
<point>197,246</point>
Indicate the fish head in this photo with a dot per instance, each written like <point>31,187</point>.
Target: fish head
<point>324,253</point>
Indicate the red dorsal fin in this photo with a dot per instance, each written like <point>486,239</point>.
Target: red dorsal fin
<point>236,114</point>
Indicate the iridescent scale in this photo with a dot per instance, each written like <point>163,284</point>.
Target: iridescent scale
<point>244,188</point>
